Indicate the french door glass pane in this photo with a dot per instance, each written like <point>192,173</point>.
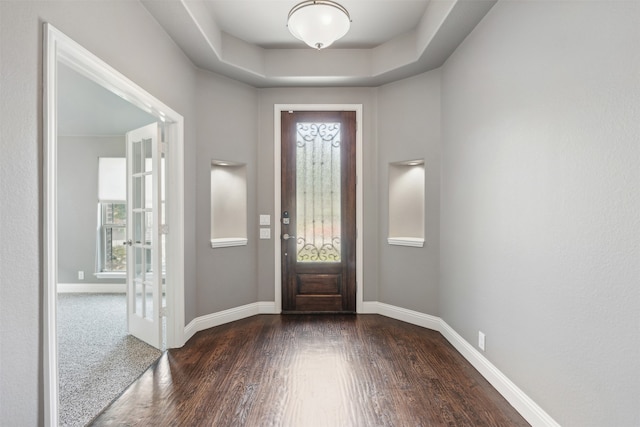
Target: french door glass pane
<point>137,161</point>
<point>139,264</point>
<point>148,235</point>
<point>318,194</point>
<point>148,301</point>
<point>139,306</point>
<point>148,191</point>
<point>138,227</point>
<point>148,154</point>
<point>138,192</point>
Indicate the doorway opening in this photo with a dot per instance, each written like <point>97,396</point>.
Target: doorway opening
<point>93,337</point>
<point>61,51</point>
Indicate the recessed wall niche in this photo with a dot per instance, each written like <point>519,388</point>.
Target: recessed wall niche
<point>228,204</point>
<point>406,203</point>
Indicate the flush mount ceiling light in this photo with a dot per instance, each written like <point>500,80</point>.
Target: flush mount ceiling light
<point>318,23</point>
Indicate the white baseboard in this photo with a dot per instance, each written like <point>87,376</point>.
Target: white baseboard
<point>267,307</point>
<point>522,403</point>
<point>231,315</point>
<point>409,316</point>
<point>92,288</point>
<point>369,307</point>
<point>529,409</point>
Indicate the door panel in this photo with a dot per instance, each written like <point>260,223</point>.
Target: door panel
<point>318,211</point>
<point>144,255</point>
<point>320,284</point>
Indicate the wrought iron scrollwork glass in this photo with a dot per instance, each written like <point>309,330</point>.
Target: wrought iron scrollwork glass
<point>318,193</point>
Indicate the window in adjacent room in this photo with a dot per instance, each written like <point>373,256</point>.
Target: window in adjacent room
<point>113,229</point>
<point>111,256</point>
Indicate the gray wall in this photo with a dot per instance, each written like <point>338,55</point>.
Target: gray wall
<point>267,99</point>
<point>229,277</point>
<point>408,123</point>
<point>540,203</point>
<point>78,203</point>
<point>123,34</point>
<point>227,130</point>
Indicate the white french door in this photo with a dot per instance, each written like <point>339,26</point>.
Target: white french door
<point>145,239</point>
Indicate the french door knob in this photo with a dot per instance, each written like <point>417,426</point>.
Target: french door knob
<point>286,236</point>
<point>128,243</point>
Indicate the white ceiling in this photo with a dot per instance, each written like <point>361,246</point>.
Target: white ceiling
<point>264,22</point>
<point>86,108</point>
<point>248,39</point>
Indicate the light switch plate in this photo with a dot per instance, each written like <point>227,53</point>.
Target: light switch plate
<point>265,219</point>
<point>265,233</point>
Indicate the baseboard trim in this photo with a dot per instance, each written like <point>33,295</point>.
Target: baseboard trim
<point>522,403</point>
<point>91,288</point>
<point>267,307</point>
<point>369,307</point>
<point>409,316</point>
<point>227,316</point>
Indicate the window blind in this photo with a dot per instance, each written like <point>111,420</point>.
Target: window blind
<point>112,179</point>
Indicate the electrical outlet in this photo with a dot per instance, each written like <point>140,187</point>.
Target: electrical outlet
<point>481,340</point>
<point>80,275</point>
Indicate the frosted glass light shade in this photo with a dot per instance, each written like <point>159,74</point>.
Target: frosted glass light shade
<point>318,23</point>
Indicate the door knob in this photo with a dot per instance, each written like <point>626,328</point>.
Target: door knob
<point>128,243</point>
<point>286,236</point>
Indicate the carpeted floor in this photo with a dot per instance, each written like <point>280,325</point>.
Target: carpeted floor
<point>97,359</point>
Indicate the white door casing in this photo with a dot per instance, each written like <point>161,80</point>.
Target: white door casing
<point>60,48</point>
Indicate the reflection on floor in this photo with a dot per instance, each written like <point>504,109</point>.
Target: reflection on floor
<point>97,359</point>
<point>312,370</point>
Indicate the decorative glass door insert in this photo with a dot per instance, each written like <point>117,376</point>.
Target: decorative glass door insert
<point>318,192</point>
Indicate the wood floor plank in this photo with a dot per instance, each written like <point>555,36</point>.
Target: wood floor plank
<point>312,370</point>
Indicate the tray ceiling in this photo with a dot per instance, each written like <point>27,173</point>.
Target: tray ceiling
<point>248,39</point>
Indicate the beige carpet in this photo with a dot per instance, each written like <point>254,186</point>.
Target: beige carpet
<point>97,359</point>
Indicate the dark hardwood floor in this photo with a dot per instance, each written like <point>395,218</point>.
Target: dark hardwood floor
<point>312,370</point>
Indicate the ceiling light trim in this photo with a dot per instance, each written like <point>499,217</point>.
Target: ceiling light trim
<point>319,30</point>
<point>319,2</point>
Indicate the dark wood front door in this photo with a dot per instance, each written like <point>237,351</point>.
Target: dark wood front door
<point>318,211</point>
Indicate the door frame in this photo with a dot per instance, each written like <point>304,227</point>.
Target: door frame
<point>59,47</point>
<point>277,166</point>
